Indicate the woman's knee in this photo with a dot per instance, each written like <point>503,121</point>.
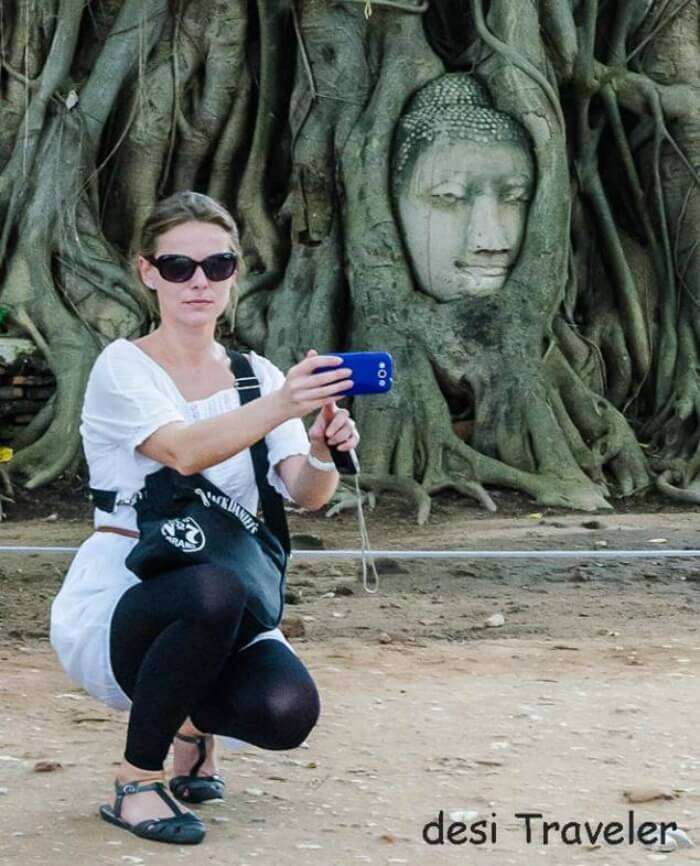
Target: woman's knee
<point>218,596</point>
<point>289,714</point>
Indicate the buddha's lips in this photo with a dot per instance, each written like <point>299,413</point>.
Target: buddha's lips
<point>483,270</point>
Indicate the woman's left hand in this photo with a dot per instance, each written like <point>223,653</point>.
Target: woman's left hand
<point>333,426</point>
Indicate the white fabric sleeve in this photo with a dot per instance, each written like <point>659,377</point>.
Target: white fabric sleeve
<point>287,438</point>
<point>124,403</point>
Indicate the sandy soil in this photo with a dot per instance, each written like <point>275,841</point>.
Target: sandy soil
<point>589,689</point>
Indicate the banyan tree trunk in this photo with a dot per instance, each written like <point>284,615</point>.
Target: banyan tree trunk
<point>287,113</point>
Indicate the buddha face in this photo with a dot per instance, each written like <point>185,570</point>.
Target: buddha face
<point>463,212</point>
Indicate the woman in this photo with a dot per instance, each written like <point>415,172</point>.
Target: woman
<point>181,649</point>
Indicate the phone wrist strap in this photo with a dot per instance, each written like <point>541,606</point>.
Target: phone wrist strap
<point>364,542</point>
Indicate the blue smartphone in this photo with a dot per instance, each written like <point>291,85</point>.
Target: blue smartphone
<point>371,372</point>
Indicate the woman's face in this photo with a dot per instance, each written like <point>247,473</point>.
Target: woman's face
<point>463,214</point>
<point>197,301</point>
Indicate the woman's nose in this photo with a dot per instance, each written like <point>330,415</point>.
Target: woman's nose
<point>199,278</point>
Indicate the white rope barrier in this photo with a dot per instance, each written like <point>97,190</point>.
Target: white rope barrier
<point>441,554</point>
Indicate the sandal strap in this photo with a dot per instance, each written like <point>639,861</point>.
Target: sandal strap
<point>136,787</point>
<point>189,739</point>
<point>170,801</point>
<point>201,742</point>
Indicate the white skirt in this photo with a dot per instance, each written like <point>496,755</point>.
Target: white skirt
<point>81,615</point>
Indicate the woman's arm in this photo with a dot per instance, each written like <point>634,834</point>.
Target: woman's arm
<point>190,448</point>
<point>309,487</point>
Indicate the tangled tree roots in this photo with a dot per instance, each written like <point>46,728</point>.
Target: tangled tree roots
<point>287,113</point>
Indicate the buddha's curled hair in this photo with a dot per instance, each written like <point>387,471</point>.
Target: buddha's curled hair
<point>454,106</point>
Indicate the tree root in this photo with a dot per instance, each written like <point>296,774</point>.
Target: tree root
<point>542,425</point>
<point>412,493</point>
<point>407,435</point>
<point>6,482</point>
<point>34,303</point>
<point>313,293</point>
<point>39,424</point>
<point>261,237</point>
<point>14,190</point>
<point>610,439</point>
<point>7,487</point>
<point>520,61</point>
<point>630,304</point>
<point>215,52</point>
<point>345,498</point>
<point>471,489</point>
<point>689,494</point>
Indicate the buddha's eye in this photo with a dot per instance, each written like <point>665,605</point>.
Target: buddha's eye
<point>446,198</point>
<point>515,196</point>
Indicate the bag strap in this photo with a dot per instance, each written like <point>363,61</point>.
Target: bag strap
<point>105,500</point>
<point>270,499</point>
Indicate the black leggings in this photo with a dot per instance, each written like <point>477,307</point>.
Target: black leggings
<point>175,650</point>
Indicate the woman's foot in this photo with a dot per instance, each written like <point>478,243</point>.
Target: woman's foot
<point>186,753</point>
<point>143,805</point>
<point>195,779</point>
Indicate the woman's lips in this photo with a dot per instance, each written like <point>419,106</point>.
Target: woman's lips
<point>199,303</point>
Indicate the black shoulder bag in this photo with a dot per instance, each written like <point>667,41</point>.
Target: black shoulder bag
<point>185,520</point>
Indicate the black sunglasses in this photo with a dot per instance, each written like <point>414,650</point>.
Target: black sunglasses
<point>178,269</point>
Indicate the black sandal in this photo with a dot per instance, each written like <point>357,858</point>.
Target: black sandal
<point>194,788</point>
<point>182,828</point>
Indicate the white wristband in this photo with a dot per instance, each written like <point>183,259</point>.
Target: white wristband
<point>320,464</point>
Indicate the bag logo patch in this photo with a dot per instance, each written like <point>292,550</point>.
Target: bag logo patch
<point>184,533</point>
<point>230,505</point>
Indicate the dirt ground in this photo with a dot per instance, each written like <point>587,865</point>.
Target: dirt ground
<point>589,689</point>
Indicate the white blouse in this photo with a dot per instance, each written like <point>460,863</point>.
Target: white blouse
<point>128,397</point>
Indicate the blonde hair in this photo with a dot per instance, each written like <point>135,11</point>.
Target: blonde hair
<point>182,207</point>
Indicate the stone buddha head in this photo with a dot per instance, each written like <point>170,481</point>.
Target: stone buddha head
<point>462,179</point>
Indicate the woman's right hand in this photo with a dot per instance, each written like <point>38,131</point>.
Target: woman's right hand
<point>305,391</point>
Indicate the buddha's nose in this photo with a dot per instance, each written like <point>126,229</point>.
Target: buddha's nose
<point>487,231</point>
